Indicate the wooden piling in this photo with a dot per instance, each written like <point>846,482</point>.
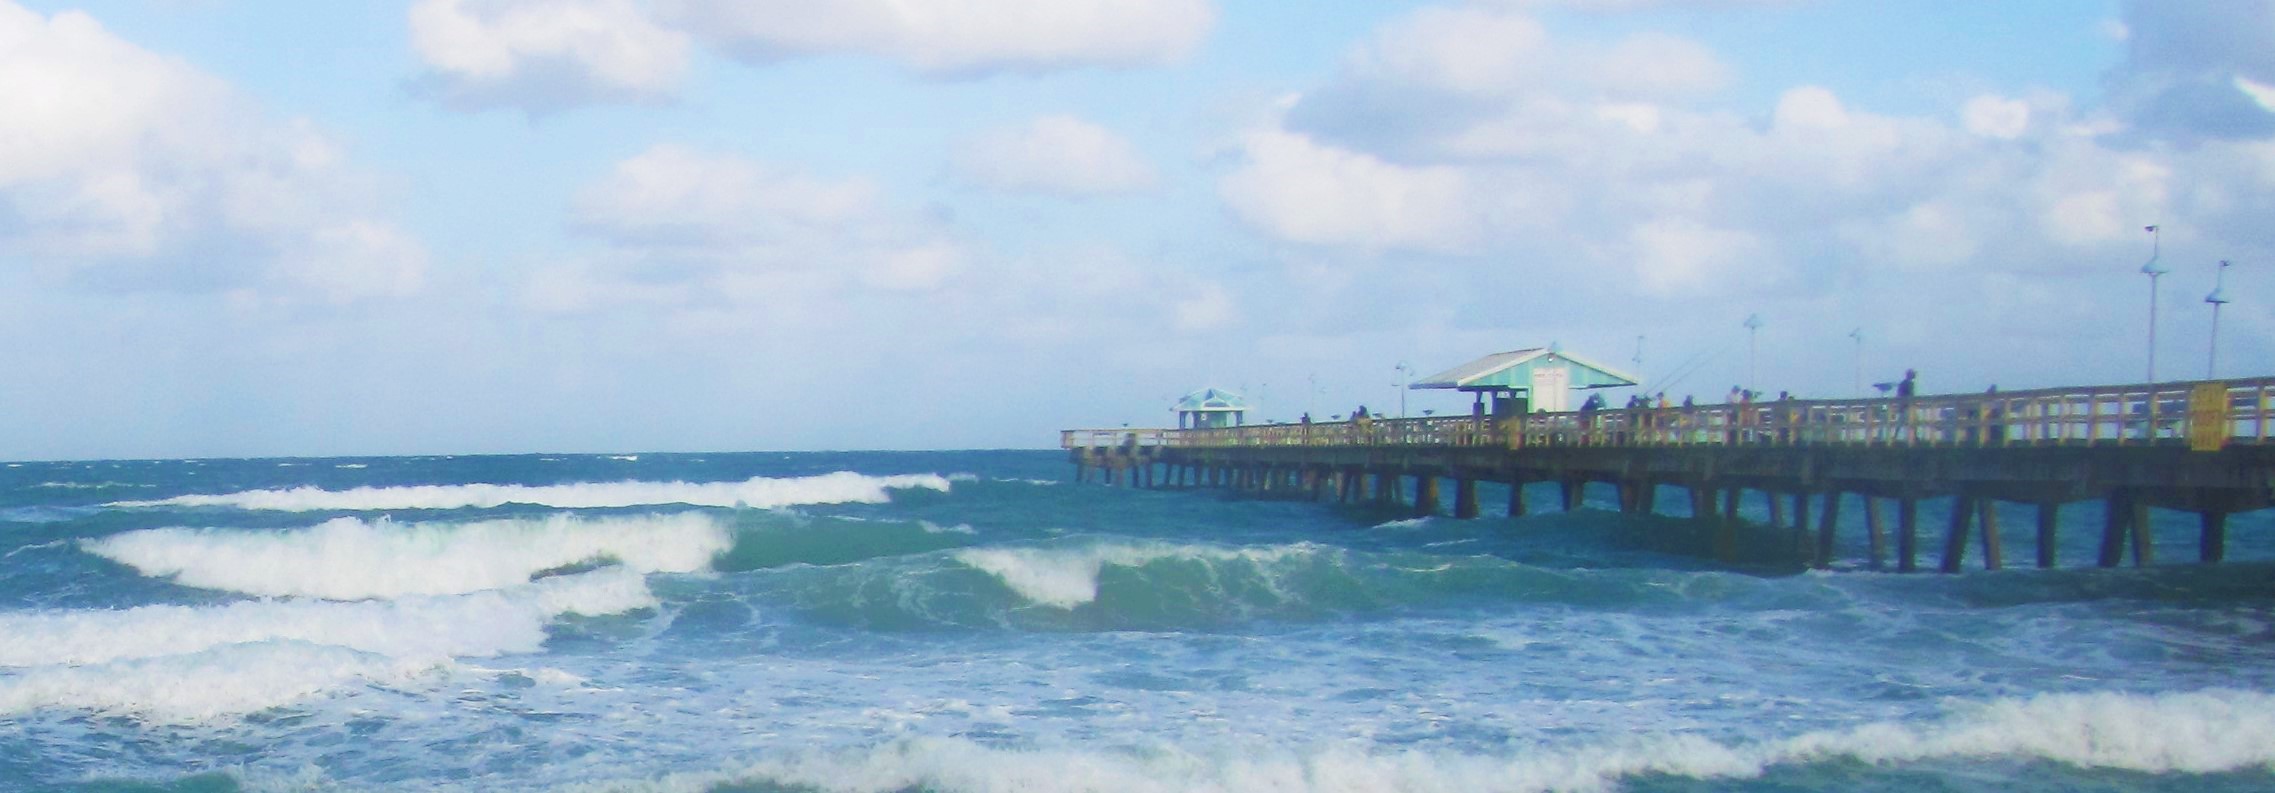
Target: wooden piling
<point>1987,514</point>
<point>1955,542</point>
<point>2212,545</point>
<point>1824,555</point>
<point>1875,540</point>
<point>1571,491</point>
<point>1425,495</point>
<point>1907,534</point>
<point>2049,512</point>
<point>2144,540</point>
<point>2115,512</point>
<point>1465,498</point>
<point>1516,498</point>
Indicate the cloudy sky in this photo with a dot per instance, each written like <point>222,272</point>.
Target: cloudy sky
<point>460,226</point>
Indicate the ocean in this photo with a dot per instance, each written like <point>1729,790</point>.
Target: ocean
<point>974,621</point>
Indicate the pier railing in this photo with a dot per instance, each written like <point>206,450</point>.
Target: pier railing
<point>2201,414</point>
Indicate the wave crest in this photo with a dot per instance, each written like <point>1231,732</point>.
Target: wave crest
<point>349,558</point>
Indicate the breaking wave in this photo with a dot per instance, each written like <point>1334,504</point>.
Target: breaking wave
<point>759,492</point>
<point>350,558</point>
<point>189,663</point>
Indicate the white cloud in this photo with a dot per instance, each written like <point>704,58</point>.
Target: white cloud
<point>1054,154</point>
<point>1204,306</point>
<point>542,54</point>
<point>1681,256</point>
<point>961,36</point>
<point>701,232</point>
<point>1462,50</point>
<point>1298,189</point>
<point>1996,117</point>
<point>1658,64</point>
<point>675,194</point>
<point>139,171</point>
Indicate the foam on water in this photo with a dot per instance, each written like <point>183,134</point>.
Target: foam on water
<point>2193,732</point>
<point>759,492</point>
<point>348,558</point>
<point>181,663</point>
<point>481,624</point>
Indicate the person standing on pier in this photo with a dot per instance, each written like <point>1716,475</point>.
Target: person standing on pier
<point>1904,390</point>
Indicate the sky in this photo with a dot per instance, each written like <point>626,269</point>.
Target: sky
<point>500,226</point>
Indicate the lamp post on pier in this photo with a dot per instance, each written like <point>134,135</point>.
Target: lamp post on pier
<point>1753,347</point>
<point>2217,298</point>
<point>1405,382</point>
<point>1858,335</point>
<point>2153,269</point>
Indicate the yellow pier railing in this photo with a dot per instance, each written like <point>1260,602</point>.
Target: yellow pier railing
<point>2202,415</point>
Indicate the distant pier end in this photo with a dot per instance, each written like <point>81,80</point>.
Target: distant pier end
<point>2201,447</point>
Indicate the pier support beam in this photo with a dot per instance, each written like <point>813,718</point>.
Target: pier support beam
<point>2144,540</point>
<point>1823,557</point>
<point>1425,495</point>
<point>2115,513</point>
<point>1907,534</point>
<point>2049,513</point>
<point>1517,498</point>
<point>1955,543</point>
<point>2212,545</point>
<point>1571,490</point>
<point>1465,498</point>
<point>1994,552</point>
<point>1875,541</point>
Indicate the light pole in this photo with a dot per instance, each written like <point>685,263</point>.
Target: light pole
<point>2152,270</point>
<point>1753,346</point>
<point>2217,298</point>
<point>1405,379</point>
<point>1858,335</point>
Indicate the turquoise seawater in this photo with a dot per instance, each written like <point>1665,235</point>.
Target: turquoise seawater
<point>973,621</point>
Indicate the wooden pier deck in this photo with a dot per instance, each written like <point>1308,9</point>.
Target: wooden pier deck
<point>2203,447</point>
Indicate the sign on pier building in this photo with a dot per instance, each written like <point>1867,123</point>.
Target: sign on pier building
<point>1537,379</point>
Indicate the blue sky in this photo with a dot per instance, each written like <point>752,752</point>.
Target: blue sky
<point>468,226</point>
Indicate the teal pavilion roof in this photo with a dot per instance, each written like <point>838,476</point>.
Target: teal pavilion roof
<point>1512,371</point>
<point>1212,400</point>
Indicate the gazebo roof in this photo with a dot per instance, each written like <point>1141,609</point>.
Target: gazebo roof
<point>1512,370</point>
<point>1212,400</point>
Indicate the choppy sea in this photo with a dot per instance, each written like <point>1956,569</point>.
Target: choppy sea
<point>973,621</point>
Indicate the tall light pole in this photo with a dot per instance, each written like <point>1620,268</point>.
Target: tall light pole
<point>1639,361</point>
<point>2152,270</point>
<point>1405,379</point>
<point>2217,298</point>
<point>1858,335</point>
<point>1753,346</point>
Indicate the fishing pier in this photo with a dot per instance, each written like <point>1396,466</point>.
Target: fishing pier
<point>2200,447</point>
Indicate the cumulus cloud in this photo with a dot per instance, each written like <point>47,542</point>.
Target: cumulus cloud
<point>1452,143</point>
<point>139,171</point>
<point>2187,67</point>
<point>1298,189</point>
<point>543,55</point>
<point>1061,155</point>
<point>686,227</point>
<point>961,37</point>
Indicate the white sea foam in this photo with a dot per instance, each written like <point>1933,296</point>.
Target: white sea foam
<point>188,663</point>
<point>2199,732</point>
<point>759,492</point>
<point>481,624</point>
<point>228,680</point>
<point>1409,523</point>
<point>349,558</point>
<point>1068,577</point>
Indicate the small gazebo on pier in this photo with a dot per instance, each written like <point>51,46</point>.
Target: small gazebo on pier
<point>1535,379</point>
<point>1211,408</point>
